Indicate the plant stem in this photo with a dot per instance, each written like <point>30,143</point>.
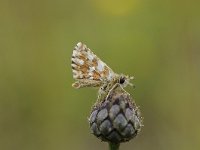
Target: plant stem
<point>113,146</point>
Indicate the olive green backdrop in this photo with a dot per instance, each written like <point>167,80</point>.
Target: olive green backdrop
<point>156,41</point>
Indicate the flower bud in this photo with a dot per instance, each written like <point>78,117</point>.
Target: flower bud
<point>117,118</point>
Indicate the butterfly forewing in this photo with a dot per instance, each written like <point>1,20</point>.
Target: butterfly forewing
<point>86,65</point>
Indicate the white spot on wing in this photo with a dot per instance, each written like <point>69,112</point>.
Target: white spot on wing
<point>74,65</point>
<point>90,74</point>
<point>92,69</point>
<point>75,72</point>
<point>100,66</point>
<point>75,53</point>
<point>81,62</point>
<point>78,61</point>
<point>90,56</point>
<point>75,76</point>
<point>91,78</point>
<point>81,75</point>
<point>79,44</point>
<point>110,75</point>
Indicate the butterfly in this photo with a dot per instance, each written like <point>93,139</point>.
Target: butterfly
<point>90,71</point>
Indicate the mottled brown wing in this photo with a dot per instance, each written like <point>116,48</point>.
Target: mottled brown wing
<point>86,65</point>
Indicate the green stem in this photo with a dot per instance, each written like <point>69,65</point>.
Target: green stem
<point>113,146</point>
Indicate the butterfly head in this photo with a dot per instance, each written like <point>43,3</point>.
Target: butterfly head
<point>124,80</point>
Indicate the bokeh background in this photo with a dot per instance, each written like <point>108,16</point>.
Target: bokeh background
<point>156,41</point>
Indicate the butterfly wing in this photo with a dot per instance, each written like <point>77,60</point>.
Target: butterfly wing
<point>87,66</point>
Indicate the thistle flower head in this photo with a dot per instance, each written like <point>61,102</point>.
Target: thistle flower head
<point>117,118</point>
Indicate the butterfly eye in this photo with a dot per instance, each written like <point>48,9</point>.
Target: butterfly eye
<point>121,80</point>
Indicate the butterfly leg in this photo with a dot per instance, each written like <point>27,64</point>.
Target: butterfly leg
<point>104,90</point>
<point>116,87</point>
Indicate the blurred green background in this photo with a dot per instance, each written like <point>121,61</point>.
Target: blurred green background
<point>156,41</point>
